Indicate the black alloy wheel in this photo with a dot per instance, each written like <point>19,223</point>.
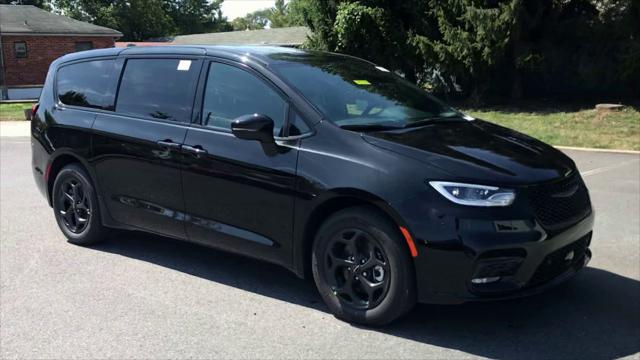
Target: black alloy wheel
<point>362,267</point>
<point>76,208</point>
<point>74,205</point>
<point>357,269</point>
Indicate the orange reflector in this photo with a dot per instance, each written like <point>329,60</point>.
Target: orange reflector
<point>412,245</point>
<point>47,172</point>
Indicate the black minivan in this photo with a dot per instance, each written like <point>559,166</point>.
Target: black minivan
<point>322,163</point>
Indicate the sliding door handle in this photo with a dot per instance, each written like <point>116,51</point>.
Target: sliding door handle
<point>196,150</point>
<point>168,144</point>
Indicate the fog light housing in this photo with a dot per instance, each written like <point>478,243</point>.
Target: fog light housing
<point>486,280</point>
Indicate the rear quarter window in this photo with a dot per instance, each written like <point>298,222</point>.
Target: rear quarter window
<point>87,84</point>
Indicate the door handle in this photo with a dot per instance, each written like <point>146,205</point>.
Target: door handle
<point>168,144</point>
<point>196,150</point>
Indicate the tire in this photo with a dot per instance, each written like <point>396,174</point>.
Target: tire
<point>75,206</point>
<point>340,252</point>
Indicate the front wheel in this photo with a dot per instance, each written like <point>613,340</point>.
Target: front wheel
<point>362,267</point>
<point>75,205</point>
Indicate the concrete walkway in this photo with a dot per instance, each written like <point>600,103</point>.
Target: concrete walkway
<point>15,128</point>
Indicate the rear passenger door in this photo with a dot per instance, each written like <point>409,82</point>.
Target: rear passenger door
<point>239,193</point>
<point>137,148</point>
<point>82,89</point>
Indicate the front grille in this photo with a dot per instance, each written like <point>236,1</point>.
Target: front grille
<point>560,261</point>
<point>561,203</point>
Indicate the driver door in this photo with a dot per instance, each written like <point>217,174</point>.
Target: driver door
<point>238,193</point>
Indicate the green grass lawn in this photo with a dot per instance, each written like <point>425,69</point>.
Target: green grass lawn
<point>13,111</point>
<point>583,128</point>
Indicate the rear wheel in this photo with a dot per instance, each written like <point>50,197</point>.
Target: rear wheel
<point>75,205</point>
<point>362,268</point>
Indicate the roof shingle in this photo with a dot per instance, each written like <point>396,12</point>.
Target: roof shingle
<point>30,20</point>
<point>288,36</point>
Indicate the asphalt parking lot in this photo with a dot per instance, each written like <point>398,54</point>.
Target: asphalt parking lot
<point>142,296</point>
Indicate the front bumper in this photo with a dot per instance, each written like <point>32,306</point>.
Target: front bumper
<point>498,259</point>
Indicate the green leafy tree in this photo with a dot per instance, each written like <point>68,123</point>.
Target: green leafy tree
<point>196,16</point>
<point>295,12</point>
<point>139,20</point>
<point>381,31</point>
<point>470,41</point>
<point>281,15</point>
<point>252,21</point>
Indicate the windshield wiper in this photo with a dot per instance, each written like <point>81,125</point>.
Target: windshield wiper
<point>370,127</point>
<point>427,121</point>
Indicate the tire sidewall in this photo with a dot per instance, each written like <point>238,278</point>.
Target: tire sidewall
<point>400,295</point>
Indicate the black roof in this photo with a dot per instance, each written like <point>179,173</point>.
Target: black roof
<point>30,20</point>
<point>264,55</point>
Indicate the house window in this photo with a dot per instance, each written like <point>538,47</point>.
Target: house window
<point>84,45</point>
<point>20,49</point>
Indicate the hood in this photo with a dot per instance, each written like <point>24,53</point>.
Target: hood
<point>477,151</point>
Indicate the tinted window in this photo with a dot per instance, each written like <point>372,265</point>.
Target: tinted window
<point>87,84</point>
<point>353,92</point>
<point>297,126</point>
<point>158,88</point>
<point>232,92</point>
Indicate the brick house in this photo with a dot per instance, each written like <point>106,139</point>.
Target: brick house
<point>31,38</point>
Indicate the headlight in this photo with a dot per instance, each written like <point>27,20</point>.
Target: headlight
<point>474,195</point>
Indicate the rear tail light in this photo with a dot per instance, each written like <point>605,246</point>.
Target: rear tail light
<point>34,109</point>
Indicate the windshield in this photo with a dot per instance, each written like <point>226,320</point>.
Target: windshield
<point>354,94</point>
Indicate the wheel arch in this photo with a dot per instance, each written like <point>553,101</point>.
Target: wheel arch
<point>58,162</point>
<point>340,199</point>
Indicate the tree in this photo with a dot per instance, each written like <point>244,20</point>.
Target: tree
<point>470,41</point>
<point>139,20</point>
<point>281,15</point>
<point>196,16</point>
<point>381,31</point>
<point>489,48</point>
<point>252,21</point>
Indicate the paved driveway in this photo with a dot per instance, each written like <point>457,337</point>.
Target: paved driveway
<point>141,296</point>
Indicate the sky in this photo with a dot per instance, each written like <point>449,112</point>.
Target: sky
<point>238,8</point>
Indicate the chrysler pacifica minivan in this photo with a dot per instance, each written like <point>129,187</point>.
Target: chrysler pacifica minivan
<point>325,164</point>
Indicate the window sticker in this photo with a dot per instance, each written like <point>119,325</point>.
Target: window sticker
<point>362,82</point>
<point>184,65</point>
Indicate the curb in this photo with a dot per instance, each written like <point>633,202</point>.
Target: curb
<point>617,151</point>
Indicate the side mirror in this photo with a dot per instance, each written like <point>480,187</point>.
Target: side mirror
<point>253,127</point>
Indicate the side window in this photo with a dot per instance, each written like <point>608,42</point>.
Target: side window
<point>84,45</point>
<point>297,125</point>
<point>232,92</point>
<point>157,88</point>
<point>88,84</point>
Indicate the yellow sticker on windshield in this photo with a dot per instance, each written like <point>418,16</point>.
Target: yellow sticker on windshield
<point>362,82</point>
